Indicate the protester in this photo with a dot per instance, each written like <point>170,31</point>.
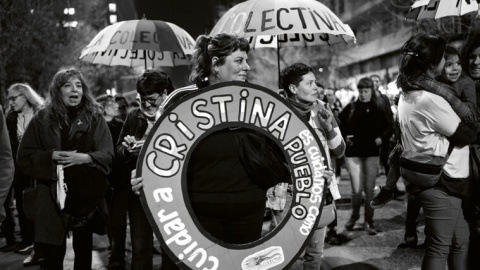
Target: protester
<point>298,82</point>
<point>152,88</point>
<point>470,59</point>
<point>24,102</point>
<point>123,108</point>
<point>320,91</point>
<point>119,188</point>
<point>333,101</point>
<point>364,124</point>
<point>68,133</point>
<point>216,158</point>
<point>112,114</point>
<point>133,105</point>
<point>6,163</point>
<point>463,88</point>
<point>429,125</point>
<point>22,109</point>
<point>336,107</point>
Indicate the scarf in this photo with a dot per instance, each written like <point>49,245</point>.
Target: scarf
<point>303,108</point>
<point>428,84</point>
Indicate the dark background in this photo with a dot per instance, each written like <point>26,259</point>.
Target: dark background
<point>196,17</point>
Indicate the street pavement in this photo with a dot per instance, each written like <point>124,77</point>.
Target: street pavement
<point>361,252</point>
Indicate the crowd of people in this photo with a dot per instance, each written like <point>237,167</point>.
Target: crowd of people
<point>87,148</point>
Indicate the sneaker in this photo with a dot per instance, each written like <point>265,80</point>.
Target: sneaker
<point>350,224</point>
<point>382,198</point>
<point>24,248</point>
<point>370,228</point>
<point>33,259</point>
<point>332,238</point>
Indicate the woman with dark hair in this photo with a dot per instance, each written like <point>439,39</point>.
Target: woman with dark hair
<point>363,124</point>
<point>298,82</point>
<point>470,60</point>
<point>231,211</point>
<point>152,89</point>
<point>70,135</point>
<point>433,121</point>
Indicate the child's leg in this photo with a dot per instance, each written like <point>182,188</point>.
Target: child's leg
<point>393,176</point>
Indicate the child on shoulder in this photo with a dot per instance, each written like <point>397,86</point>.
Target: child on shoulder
<point>464,89</point>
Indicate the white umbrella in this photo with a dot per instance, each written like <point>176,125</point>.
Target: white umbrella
<point>278,17</point>
<point>149,43</point>
<point>284,23</point>
<point>435,9</point>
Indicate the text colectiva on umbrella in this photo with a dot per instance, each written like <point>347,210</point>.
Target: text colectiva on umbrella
<point>300,17</point>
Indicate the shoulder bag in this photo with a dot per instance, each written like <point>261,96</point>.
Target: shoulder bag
<point>421,169</point>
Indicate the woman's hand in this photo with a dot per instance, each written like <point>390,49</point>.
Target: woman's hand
<point>137,183</point>
<point>326,119</point>
<point>71,158</point>
<point>132,145</point>
<point>328,175</point>
<point>378,141</point>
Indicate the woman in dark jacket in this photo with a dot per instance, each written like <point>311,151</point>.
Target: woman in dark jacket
<point>227,199</point>
<point>363,124</point>
<point>24,102</point>
<point>69,134</point>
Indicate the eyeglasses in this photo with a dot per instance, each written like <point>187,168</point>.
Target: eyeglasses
<point>150,101</point>
<point>13,98</point>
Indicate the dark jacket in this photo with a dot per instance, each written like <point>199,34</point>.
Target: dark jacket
<point>6,164</point>
<point>135,125</point>
<point>117,177</point>
<point>365,122</point>
<point>11,121</point>
<point>35,159</point>
<point>20,180</point>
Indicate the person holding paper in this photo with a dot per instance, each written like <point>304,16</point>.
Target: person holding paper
<point>152,88</point>
<point>69,131</point>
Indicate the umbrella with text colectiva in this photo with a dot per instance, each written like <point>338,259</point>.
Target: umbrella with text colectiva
<point>148,43</point>
<point>284,23</point>
<point>435,9</point>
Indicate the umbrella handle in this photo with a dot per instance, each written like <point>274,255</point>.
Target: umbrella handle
<point>278,62</point>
